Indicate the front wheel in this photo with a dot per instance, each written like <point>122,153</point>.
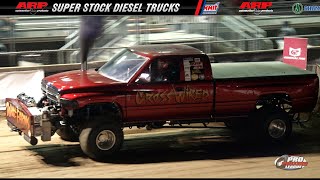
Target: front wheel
<point>67,134</point>
<point>99,140</point>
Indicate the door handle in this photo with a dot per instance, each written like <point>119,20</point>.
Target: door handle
<point>179,89</point>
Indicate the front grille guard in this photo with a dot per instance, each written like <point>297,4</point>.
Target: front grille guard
<point>51,92</point>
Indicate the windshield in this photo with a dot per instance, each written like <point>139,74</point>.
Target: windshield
<point>123,67</point>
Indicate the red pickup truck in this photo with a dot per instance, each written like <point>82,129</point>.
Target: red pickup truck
<point>155,85</point>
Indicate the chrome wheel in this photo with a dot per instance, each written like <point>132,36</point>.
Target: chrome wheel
<point>277,128</point>
<point>105,140</point>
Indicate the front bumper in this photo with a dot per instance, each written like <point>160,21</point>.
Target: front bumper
<point>28,121</point>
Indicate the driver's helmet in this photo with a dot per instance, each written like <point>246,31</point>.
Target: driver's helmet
<point>163,64</point>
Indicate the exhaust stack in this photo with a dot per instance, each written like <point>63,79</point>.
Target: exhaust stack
<point>90,29</point>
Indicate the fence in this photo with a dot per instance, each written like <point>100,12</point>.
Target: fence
<point>246,56</point>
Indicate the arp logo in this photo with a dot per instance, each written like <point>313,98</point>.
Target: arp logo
<point>32,7</point>
<point>255,7</point>
<point>210,8</point>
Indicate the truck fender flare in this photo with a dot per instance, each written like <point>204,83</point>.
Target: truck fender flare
<point>266,98</point>
<point>97,109</point>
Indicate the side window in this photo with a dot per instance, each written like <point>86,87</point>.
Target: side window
<point>165,70</point>
<point>193,69</point>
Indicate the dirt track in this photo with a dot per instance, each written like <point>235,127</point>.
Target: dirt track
<point>163,153</point>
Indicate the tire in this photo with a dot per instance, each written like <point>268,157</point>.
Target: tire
<point>274,126</point>
<point>94,133</point>
<point>158,124</point>
<point>228,124</point>
<point>67,134</point>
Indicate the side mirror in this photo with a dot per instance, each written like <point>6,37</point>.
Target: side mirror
<point>143,78</point>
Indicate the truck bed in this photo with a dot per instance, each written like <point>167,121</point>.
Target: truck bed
<point>255,69</point>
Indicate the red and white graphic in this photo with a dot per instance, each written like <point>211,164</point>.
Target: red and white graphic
<point>32,7</point>
<point>255,7</point>
<point>290,162</point>
<point>295,52</point>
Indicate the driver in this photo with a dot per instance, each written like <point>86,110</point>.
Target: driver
<point>164,73</point>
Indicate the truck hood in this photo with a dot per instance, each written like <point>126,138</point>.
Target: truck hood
<point>77,81</point>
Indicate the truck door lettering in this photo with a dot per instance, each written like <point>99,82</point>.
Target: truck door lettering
<point>149,97</point>
<point>140,98</point>
<point>167,96</point>
<point>180,96</point>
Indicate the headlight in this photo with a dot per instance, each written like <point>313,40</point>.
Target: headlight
<point>58,98</point>
<point>37,119</point>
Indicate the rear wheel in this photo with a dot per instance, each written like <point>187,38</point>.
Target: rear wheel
<point>228,124</point>
<point>277,127</point>
<point>274,124</point>
<point>158,124</point>
<point>100,140</point>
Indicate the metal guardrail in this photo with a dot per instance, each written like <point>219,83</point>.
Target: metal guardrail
<point>33,39</point>
<point>245,56</point>
<point>252,39</point>
<point>256,52</point>
<point>54,68</point>
<point>189,43</point>
<point>18,39</point>
<point>262,55</point>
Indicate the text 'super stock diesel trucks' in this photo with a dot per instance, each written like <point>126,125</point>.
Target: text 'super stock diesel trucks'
<point>150,85</point>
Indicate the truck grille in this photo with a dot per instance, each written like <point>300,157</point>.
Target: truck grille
<point>51,91</point>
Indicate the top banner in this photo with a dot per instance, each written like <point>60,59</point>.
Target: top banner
<point>159,7</point>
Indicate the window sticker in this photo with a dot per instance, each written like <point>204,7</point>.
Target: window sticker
<point>187,71</point>
<point>196,59</point>
<point>193,69</point>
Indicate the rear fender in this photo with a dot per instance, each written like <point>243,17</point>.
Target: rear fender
<point>273,98</point>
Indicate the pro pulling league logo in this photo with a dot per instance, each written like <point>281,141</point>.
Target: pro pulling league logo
<point>287,162</point>
<point>32,7</point>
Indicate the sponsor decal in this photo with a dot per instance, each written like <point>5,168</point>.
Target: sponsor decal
<point>256,7</point>
<point>299,8</point>
<point>311,8</point>
<point>288,162</point>
<point>193,69</point>
<point>295,52</point>
<point>31,7</point>
<point>16,114</point>
<point>210,8</point>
